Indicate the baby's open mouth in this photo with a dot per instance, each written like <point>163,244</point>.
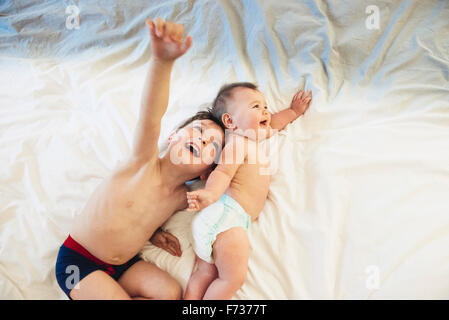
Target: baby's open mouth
<point>193,148</point>
<point>263,123</point>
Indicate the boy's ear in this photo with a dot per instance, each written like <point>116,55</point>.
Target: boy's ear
<point>173,137</point>
<point>227,121</point>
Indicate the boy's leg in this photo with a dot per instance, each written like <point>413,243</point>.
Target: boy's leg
<point>98,286</point>
<point>144,280</point>
<point>230,250</point>
<point>200,280</point>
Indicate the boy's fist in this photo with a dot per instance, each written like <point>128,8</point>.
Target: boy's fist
<point>166,241</point>
<point>167,39</point>
<point>300,102</point>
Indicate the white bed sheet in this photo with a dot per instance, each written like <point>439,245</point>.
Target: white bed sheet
<point>359,205</point>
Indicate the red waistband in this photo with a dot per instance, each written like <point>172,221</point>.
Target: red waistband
<point>72,244</point>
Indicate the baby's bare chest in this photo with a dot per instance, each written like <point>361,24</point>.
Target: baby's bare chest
<point>256,175</point>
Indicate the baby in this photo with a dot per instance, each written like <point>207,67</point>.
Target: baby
<point>235,191</point>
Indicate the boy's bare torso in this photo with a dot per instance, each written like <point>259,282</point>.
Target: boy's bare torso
<point>250,184</point>
<point>125,210</point>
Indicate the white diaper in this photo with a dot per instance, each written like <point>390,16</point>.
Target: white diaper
<point>220,216</point>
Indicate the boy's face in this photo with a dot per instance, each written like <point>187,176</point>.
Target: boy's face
<point>197,145</point>
<point>249,112</point>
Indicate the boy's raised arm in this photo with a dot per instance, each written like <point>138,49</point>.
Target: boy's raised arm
<point>167,44</point>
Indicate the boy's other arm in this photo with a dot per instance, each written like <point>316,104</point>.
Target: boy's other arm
<point>299,105</point>
<point>167,242</point>
<point>168,45</point>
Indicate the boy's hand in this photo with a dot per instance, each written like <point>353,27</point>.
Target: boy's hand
<point>199,199</point>
<point>300,102</point>
<point>166,241</point>
<point>167,39</point>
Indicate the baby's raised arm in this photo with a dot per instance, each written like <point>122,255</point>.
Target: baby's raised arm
<point>299,105</point>
<point>167,44</point>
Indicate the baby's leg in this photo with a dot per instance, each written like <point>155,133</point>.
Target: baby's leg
<point>230,252</point>
<point>200,280</point>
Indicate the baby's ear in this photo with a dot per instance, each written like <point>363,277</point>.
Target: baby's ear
<point>227,121</point>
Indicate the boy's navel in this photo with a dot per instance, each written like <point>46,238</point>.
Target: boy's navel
<point>129,204</point>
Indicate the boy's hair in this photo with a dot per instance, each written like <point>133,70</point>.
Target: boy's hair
<point>219,105</point>
<point>202,115</point>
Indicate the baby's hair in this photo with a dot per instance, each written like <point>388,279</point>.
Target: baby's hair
<point>219,105</point>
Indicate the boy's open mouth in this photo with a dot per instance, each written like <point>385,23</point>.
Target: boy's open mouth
<point>193,148</point>
<point>263,123</point>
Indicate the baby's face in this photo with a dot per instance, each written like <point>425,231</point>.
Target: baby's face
<point>249,112</point>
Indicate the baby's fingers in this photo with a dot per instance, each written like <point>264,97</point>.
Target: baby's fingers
<point>307,96</point>
<point>298,95</point>
<point>192,195</point>
<point>192,205</point>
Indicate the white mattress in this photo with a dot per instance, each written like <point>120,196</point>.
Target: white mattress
<point>359,205</point>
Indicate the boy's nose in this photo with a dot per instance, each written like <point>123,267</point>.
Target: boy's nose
<point>205,141</point>
<point>202,140</point>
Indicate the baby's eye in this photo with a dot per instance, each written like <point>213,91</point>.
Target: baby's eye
<point>256,106</point>
<point>266,107</point>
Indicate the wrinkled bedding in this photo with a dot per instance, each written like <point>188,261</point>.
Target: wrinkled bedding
<point>358,207</point>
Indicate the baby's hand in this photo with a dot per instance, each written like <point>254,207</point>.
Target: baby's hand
<point>167,39</point>
<point>199,199</point>
<point>300,102</point>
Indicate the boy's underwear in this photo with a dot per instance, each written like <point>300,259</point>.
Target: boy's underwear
<point>220,216</point>
<point>74,263</point>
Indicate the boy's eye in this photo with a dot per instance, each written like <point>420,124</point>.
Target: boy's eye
<point>266,107</point>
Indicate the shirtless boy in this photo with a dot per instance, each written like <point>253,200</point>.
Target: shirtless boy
<point>235,191</point>
<point>99,259</point>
